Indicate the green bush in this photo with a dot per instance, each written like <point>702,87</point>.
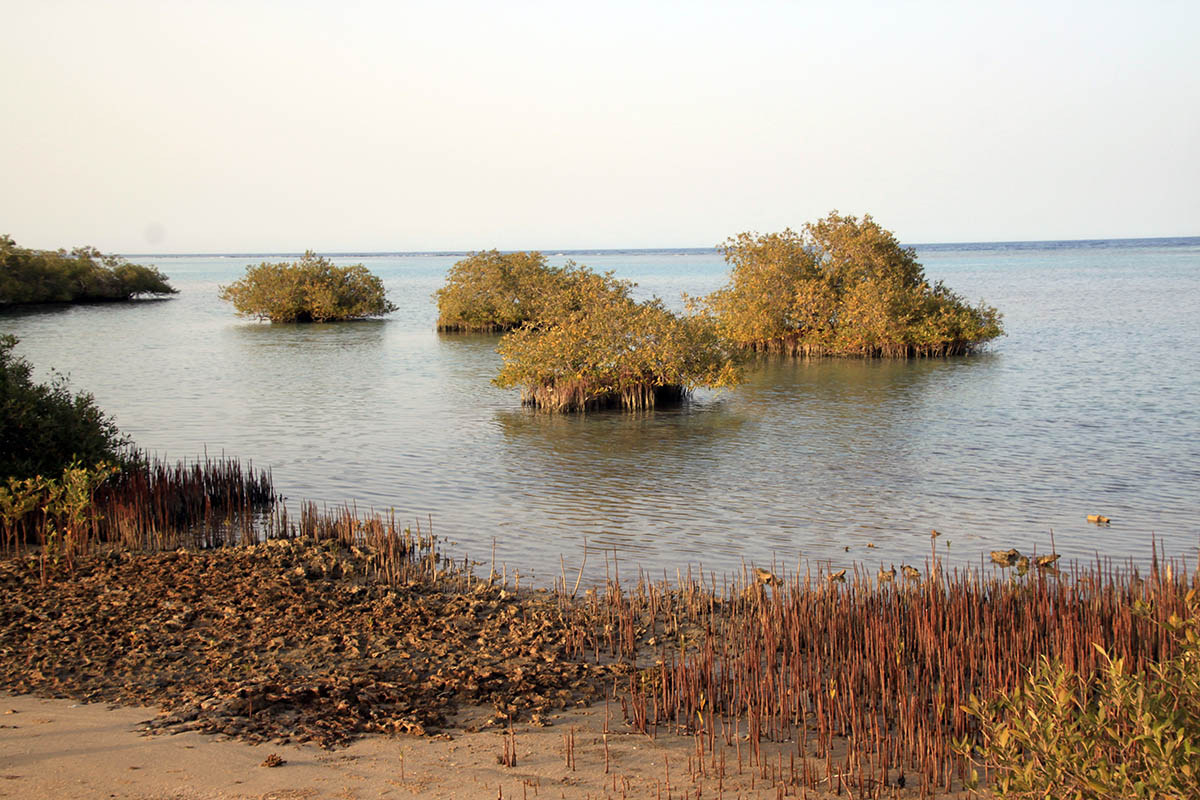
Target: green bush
<point>842,287</point>
<point>58,510</point>
<point>45,428</point>
<point>309,290</point>
<point>1114,735</point>
<point>83,275</point>
<point>594,346</point>
<point>494,291</point>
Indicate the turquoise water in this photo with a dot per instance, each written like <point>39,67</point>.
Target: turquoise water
<point>1089,405</point>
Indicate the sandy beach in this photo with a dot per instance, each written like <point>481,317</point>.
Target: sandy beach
<point>278,671</point>
<point>316,668</point>
<point>78,751</point>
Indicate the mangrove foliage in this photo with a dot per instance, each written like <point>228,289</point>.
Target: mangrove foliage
<point>493,291</point>
<point>1117,732</point>
<point>81,275</point>
<point>46,428</point>
<point>842,286</point>
<point>593,346</point>
<point>312,289</point>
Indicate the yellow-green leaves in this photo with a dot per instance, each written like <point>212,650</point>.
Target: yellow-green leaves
<point>58,510</point>
<point>767,272</point>
<point>843,286</point>
<point>494,291</point>
<point>592,345</point>
<point>84,274</point>
<point>1115,734</point>
<point>309,290</point>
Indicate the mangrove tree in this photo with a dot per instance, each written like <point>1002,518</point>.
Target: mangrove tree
<point>79,276</point>
<point>593,346</point>
<point>312,289</point>
<point>842,286</point>
<point>494,291</point>
<point>47,427</point>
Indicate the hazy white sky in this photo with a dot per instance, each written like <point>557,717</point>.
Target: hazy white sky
<point>254,126</point>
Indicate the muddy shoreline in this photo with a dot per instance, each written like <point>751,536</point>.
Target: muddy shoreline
<point>287,640</point>
<point>793,684</point>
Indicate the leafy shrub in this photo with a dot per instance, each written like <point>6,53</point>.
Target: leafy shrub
<point>58,510</point>
<point>83,275</point>
<point>1114,735</point>
<point>593,346</point>
<point>45,428</point>
<point>842,287</point>
<point>309,290</point>
<point>494,291</point>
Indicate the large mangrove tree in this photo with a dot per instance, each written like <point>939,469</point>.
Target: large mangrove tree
<point>80,276</point>
<point>842,286</point>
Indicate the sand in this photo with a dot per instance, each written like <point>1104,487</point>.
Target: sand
<point>69,750</point>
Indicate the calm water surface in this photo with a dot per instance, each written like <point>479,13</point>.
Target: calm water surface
<point>1089,405</point>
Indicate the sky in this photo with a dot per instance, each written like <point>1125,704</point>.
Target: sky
<point>253,126</point>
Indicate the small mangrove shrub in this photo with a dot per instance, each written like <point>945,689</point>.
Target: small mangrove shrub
<point>64,507</point>
<point>312,289</point>
<point>46,427</point>
<point>1115,734</point>
<point>494,291</point>
<point>842,286</point>
<point>144,502</point>
<point>81,275</point>
<point>594,346</point>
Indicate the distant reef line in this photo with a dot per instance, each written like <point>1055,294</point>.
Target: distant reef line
<point>1174,241</point>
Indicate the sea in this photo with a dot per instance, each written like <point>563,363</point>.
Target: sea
<point>1089,405</point>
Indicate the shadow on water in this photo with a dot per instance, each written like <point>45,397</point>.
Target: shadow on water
<point>311,336</point>
<point>470,352</point>
<point>841,409</point>
<point>613,442</point>
<point>796,431</point>
<point>34,311</point>
<point>851,382</point>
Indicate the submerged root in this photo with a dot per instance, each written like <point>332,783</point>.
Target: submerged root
<point>795,346</point>
<point>464,327</point>
<point>581,396</point>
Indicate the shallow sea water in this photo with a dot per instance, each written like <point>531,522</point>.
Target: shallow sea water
<point>1088,405</point>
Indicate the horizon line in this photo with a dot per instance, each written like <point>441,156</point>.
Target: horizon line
<point>632,250</point>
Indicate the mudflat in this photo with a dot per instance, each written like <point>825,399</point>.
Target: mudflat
<point>289,669</point>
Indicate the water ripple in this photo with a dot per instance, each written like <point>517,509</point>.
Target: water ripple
<point>1072,413</point>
